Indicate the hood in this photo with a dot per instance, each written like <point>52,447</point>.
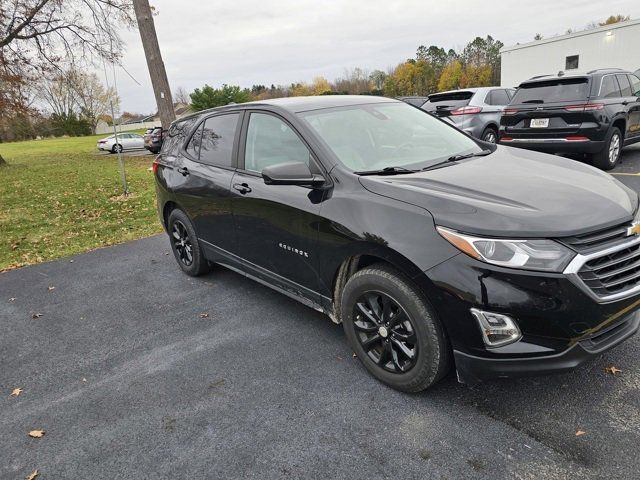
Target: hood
<point>514,193</point>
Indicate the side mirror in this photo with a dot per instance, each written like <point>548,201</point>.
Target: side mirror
<point>291,173</point>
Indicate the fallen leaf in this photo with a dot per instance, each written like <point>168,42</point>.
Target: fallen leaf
<point>36,433</point>
<point>354,355</point>
<point>84,379</point>
<point>613,370</point>
<point>204,315</point>
<point>70,261</point>
<point>339,357</point>
<point>12,299</point>
<point>51,287</point>
<point>15,392</point>
<point>580,433</point>
<point>33,475</point>
<point>36,315</point>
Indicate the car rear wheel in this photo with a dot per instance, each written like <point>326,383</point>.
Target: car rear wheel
<point>393,330</point>
<point>610,154</point>
<point>490,135</point>
<point>117,148</point>
<point>184,243</point>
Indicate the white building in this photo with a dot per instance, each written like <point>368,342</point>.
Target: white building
<point>611,46</point>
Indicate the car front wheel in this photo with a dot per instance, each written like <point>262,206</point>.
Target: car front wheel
<point>117,148</point>
<point>393,330</point>
<point>185,246</point>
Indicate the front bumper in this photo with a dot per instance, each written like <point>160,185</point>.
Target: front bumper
<point>562,324</point>
<point>472,369</point>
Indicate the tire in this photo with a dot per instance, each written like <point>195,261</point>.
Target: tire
<point>610,154</point>
<point>116,148</point>
<point>423,335</point>
<point>490,135</point>
<point>184,244</point>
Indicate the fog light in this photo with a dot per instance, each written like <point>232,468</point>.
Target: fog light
<point>497,329</point>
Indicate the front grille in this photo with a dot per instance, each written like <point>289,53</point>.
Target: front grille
<point>613,273</point>
<point>599,240</point>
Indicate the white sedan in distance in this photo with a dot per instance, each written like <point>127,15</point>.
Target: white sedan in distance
<point>124,141</point>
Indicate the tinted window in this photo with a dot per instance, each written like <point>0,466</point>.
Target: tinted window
<point>193,148</point>
<point>177,135</point>
<point>572,62</point>
<point>635,85</point>
<point>609,87</point>
<point>271,141</point>
<point>560,90</point>
<point>497,97</point>
<point>447,101</point>
<point>625,86</point>
<point>217,140</point>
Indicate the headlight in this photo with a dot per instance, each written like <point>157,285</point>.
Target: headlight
<point>538,254</point>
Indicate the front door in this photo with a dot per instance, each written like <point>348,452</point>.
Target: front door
<point>634,108</point>
<point>276,225</point>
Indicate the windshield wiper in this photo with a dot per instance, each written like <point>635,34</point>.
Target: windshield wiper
<point>533,101</point>
<point>481,153</point>
<point>387,171</point>
<point>455,158</point>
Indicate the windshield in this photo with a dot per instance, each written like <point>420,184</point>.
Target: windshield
<point>375,136</point>
<point>568,90</point>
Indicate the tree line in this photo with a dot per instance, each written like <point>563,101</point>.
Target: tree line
<point>432,69</point>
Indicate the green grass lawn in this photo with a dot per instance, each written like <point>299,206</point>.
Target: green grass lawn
<point>59,197</point>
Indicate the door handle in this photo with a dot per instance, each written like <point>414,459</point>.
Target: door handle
<point>242,188</point>
<point>184,171</point>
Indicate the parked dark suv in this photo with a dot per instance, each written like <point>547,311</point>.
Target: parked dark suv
<point>596,114</point>
<point>153,139</point>
<point>430,247</point>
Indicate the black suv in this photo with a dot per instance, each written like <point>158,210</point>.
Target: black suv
<point>596,114</point>
<point>153,139</point>
<point>431,247</point>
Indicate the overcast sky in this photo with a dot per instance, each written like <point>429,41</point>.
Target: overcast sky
<point>248,42</point>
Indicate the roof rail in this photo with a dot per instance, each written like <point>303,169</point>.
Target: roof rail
<point>601,69</point>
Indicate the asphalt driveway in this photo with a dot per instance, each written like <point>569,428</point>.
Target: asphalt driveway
<point>134,370</point>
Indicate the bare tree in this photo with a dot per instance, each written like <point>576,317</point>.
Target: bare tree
<point>92,98</point>
<point>182,96</point>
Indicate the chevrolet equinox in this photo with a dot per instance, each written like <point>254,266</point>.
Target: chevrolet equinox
<point>433,249</point>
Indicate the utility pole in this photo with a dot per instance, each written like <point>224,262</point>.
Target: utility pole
<point>154,62</point>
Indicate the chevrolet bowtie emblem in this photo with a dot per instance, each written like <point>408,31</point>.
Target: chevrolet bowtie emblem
<point>633,229</point>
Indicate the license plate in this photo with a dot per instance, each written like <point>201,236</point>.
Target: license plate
<point>539,122</point>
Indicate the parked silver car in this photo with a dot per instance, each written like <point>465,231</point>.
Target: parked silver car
<point>125,141</point>
<point>475,111</point>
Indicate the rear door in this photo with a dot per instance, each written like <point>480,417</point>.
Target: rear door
<point>551,108</point>
<point>206,164</point>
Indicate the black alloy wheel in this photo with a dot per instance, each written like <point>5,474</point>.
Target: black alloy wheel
<point>185,245</point>
<point>385,332</point>
<point>393,330</point>
<point>182,243</point>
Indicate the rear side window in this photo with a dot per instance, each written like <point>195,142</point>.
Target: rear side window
<point>625,86</point>
<point>218,134</point>
<point>176,135</point>
<point>549,91</point>
<point>193,148</point>
<point>609,87</point>
<point>635,85</point>
<point>449,100</point>
<point>497,97</point>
